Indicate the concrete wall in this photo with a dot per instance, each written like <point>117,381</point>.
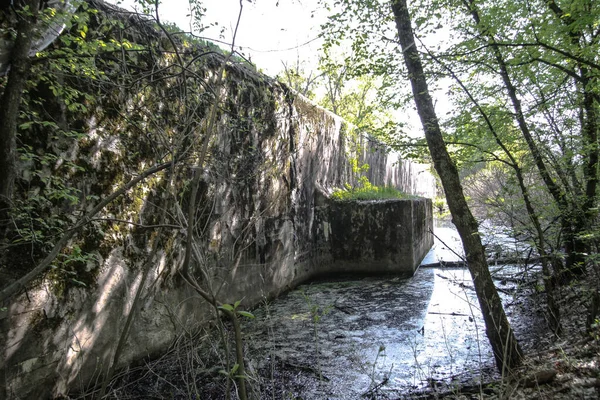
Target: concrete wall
<point>370,237</point>
<point>264,223</point>
<point>380,236</point>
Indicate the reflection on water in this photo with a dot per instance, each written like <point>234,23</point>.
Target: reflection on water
<point>341,339</point>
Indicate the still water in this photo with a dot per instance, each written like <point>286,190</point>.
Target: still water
<point>373,337</point>
<point>353,338</point>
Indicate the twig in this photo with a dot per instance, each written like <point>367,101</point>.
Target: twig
<point>449,247</point>
<point>142,226</point>
<point>376,388</point>
<point>308,368</point>
<point>453,314</point>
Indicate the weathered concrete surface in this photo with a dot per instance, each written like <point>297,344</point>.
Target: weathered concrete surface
<point>367,337</point>
<point>389,236</point>
<point>264,221</point>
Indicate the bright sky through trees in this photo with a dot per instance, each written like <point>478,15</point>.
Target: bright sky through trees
<point>270,31</point>
<point>274,32</point>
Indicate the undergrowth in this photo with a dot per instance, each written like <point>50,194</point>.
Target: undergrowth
<point>368,192</point>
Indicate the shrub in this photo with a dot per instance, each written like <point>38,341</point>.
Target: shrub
<point>368,192</point>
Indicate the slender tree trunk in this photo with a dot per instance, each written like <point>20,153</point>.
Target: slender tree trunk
<point>590,124</point>
<point>507,351</point>
<point>11,102</point>
<point>584,211</point>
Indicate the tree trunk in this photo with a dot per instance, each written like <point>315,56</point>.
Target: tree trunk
<point>507,351</point>
<point>11,101</point>
<point>591,150</point>
<point>573,219</point>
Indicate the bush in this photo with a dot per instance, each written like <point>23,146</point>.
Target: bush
<point>368,192</point>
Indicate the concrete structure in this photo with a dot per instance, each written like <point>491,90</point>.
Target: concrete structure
<point>264,222</point>
<point>389,236</point>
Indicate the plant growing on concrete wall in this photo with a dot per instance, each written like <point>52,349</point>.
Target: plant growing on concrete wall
<point>110,69</point>
<point>188,217</point>
<point>47,204</point>
<point>368,192</point>
<point>359,172</point>
<point>364,189</point>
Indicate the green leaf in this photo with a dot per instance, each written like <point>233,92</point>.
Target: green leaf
<point>78,282</point>
<point>235,367</point>
<point>246,314</point>
<point>227,307</point>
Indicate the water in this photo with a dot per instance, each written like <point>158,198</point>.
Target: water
<point>341,339</point>
<point>351,338</point>
<point>371,337</point>
<point>374,337</point>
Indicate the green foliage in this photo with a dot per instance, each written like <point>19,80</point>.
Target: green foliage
<point>366,191</point>
<point>375,384</point>
<point>356,169</point>
<point>71,261</point>
<point>232,373</point>
<point>364,100</point>
<point>298,78</point>
<point>75,98</point>
<point>234,309</point>
<point>316,312</point>
<point>361,63</point>
<point>48,195</point>
<point>189,40</point>
<point>546,54</point>
<point>440,207</point>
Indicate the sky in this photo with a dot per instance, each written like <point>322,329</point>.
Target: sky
<point>269,32</point>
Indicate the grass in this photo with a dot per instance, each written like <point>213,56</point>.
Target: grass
<point>369,192</point>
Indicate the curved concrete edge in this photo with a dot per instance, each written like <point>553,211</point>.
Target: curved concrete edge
<point>57,341</point>
<point>389,237</point>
